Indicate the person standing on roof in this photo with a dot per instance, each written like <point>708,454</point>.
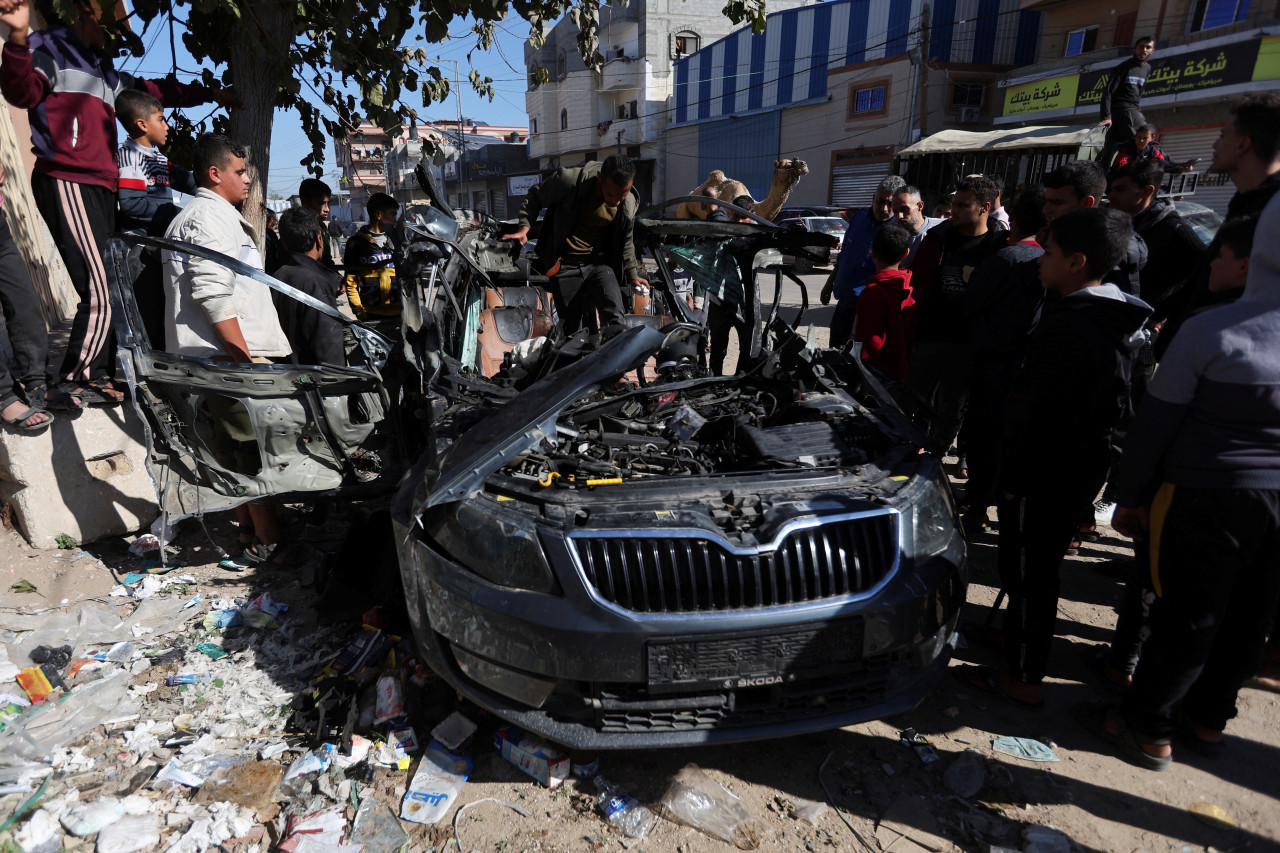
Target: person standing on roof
<point>587,242</point>
<point>1122,97</point>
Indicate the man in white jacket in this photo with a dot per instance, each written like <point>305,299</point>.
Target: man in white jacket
<point>211,312</point>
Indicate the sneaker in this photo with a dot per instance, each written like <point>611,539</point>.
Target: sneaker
<point>1103,511</point>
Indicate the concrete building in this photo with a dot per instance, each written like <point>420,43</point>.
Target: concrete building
<point>841,85</point>
<point>1208,54</point>
<point>582,115</point>
<point>375,160</point>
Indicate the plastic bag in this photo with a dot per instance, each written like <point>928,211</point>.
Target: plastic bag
<point>697,800</point>
<point>436,785</point>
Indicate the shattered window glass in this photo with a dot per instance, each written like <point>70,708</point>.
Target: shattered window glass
<point>712,267</point>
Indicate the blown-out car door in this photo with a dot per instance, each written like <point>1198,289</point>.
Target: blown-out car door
<point>220,434</point>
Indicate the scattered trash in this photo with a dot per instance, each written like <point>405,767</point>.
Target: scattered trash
<point>36,682</point>
<point>128,835</point>
<point>390,699</point>
<point>26,586</point>
<point>435,785</point>
<point>39,834</point>
<point>454,732</point>
<point>697,800</point>
<point>325,826</point>
<point>85,819</point>
<point>1045,839</point>
<point>1023,747</point>
<point>311,762</point>
<point>533,755</point>
<point>194,678</point>
<point>144,543</point>
<point>213,650</point>
<point>583,765</point>
<point>622,810</point>
<point>249,784</point>
<point>966,775</point>
<point>913,739</point>
<point>377,828</point>
<point>1212,814</point>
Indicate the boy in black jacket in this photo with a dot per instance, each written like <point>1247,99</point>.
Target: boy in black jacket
<point>1064,402</point>
<point>314,337</point>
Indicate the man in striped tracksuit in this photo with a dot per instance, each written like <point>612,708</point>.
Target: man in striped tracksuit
<point>68,88</point>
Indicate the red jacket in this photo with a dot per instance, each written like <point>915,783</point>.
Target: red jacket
<point>886,321</point>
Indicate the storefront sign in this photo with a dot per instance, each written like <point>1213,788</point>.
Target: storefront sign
<point>1197,70</point>
<point>1056,93</point>
<point>1187,72</point>
<point>522,184</point>
<point>1268,64</point>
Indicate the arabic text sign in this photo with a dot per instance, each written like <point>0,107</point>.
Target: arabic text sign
<point>522,184</point>
<point>1056,93</point>
<point>1226,65</point>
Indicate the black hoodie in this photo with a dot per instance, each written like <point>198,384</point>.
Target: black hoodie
<point>1174,250</point>
<point>1071,389</point>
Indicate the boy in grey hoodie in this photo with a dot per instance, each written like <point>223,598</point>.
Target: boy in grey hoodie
<point>1201,481</point>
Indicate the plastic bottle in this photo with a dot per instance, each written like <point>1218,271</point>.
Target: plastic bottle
<point>623,810</point>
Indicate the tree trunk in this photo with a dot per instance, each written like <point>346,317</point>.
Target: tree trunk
<point>259,65</point>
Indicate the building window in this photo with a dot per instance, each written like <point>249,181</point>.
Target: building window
<point>684,43</point>
<point>867,100</point>
<point>564,119</point>
<point>1125,26</point>
<point>967,94</point>
<point>1207,14</point>
<point>1081,41</point>
<point>533,126</point>
<point>562,65</point>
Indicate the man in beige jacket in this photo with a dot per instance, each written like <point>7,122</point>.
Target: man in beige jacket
<point>212,312</point>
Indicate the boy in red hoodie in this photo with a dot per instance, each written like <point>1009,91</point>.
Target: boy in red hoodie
<point>886,320</point>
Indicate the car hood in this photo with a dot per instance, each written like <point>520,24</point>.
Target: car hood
<point>531,416</point>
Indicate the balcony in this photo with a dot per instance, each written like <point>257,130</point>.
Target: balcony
<point>621,75</point>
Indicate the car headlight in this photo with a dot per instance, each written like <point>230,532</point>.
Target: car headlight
<point>498,545</point>
<point>934,522</point>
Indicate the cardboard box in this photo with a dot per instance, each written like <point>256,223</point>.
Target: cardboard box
<point>532,754</point>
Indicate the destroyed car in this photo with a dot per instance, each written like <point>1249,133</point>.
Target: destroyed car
<point>599,540</point>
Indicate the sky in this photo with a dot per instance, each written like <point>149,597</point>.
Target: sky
<point>289,145</point>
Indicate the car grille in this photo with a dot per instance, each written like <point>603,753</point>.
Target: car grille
<point>629,709</point>
<point>687,572</point>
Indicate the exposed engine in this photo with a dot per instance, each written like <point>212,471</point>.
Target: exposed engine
<point>708,427</point>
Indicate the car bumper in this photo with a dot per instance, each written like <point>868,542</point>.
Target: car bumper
<point>592,677</point>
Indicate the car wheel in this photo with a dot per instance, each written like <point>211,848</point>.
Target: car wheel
<point>803,266</point>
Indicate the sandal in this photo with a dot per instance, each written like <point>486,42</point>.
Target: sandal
<point>34,395</point>
<point>1094,715</point>
<point>65,397</point>
<point>987,679</point>
<point>106,391</point>
<point>258,554</point>
<point>19,421</point>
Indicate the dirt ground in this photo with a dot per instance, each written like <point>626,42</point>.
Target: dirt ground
<point>881,788</point>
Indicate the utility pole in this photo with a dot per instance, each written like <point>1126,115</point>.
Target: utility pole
<point>923,92</point>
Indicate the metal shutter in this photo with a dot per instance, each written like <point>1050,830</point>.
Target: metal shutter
<point>1213,191</point>
<point>853,186</point>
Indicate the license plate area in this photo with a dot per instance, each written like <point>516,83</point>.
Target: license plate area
<point>746,660</point>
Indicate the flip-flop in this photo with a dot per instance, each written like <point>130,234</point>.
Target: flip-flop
<point>987,679</point>
<point>1093,716</point>
<point>1185,735</point>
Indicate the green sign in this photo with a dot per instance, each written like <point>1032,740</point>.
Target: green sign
<point>1056,93</point>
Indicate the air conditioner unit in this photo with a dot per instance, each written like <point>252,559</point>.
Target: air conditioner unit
<point>970,115</point>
